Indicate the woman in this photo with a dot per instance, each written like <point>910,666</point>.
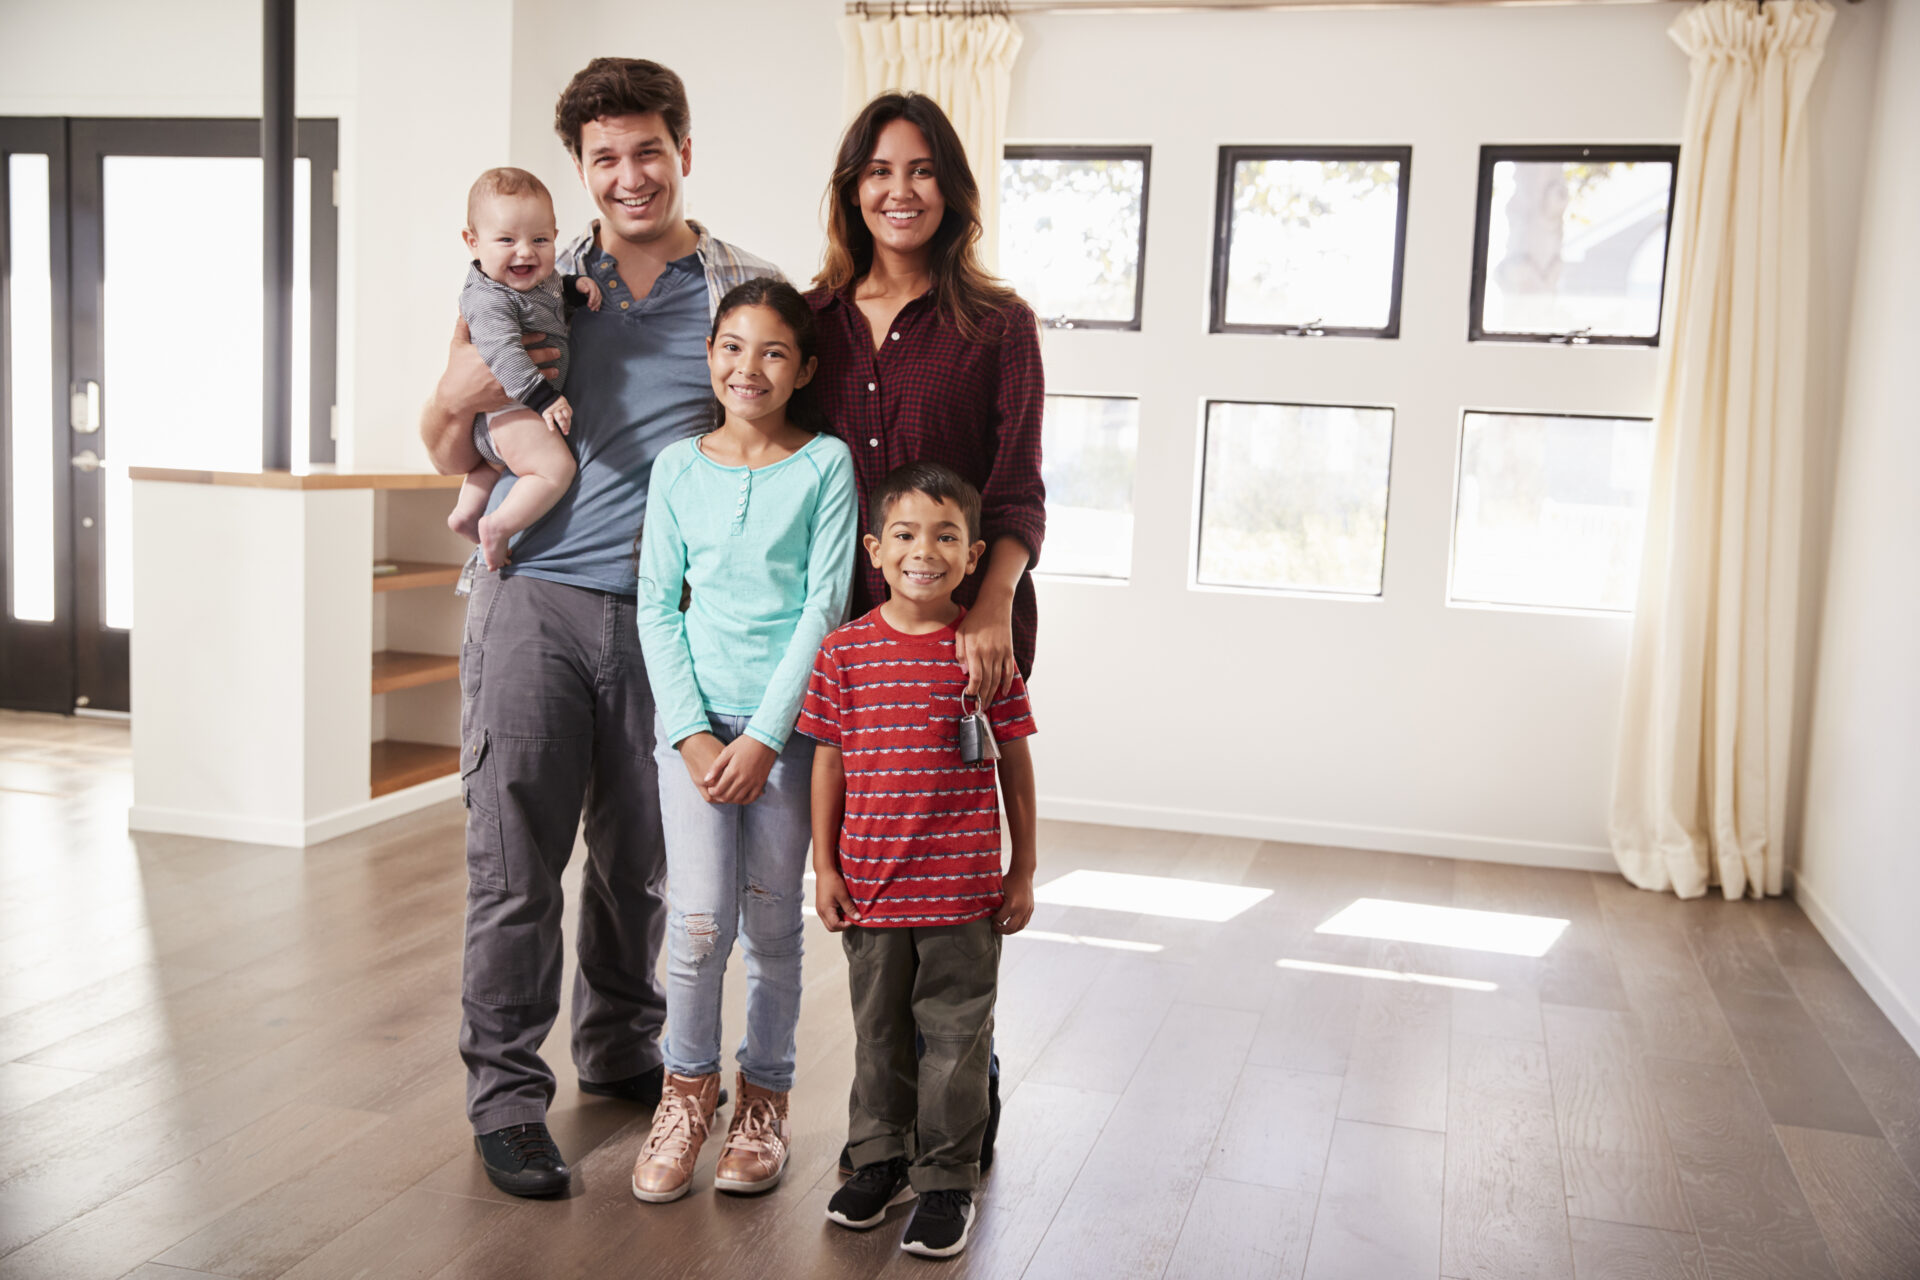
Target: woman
<point>925,357</point>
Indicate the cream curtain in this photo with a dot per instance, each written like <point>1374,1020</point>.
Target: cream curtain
<point>964,64</point>
<point>1700,778</point>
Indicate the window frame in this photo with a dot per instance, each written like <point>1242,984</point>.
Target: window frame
<point>1230,157</point>
<point>1449,600</point>
<point>1102,151</point>
<point>1098,579</point>
<point>1533,153</point>
<point>1195,582</point>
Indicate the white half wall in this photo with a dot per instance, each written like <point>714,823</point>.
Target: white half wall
<point>1859,875</point>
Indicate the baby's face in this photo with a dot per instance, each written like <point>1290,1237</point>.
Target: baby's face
<point>512,238</point>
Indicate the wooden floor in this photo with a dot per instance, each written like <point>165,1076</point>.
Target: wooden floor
<point>227,1060</point>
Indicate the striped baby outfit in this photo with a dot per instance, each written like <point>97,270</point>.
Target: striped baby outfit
<point>498,316</point>
<point>920,842</point>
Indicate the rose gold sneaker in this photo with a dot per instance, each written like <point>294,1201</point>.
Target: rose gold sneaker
<point>664,1170</point>
<point>756,1150</point>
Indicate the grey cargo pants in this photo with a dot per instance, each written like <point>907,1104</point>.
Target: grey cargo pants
<point>556,711</point>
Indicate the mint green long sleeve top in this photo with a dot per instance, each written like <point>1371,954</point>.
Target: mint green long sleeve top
<point>768,552</point>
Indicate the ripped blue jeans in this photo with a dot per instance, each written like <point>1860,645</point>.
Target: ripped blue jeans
<point>735,871</point>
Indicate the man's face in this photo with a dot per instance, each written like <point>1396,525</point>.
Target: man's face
<point>633,171</point>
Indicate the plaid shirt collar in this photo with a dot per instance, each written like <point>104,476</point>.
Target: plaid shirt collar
<point>725,265</point>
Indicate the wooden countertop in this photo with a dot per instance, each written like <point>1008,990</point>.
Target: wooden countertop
<point>300,480</point>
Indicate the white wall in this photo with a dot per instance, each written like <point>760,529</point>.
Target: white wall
<point>1859,875</point>
<point>1399,723</point>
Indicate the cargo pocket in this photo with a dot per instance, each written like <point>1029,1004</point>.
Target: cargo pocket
<point>486,854</point>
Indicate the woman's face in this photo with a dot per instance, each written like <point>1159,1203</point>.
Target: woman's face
<point>900,198</point>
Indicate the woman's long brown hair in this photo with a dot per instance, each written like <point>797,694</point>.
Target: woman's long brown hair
<point>963,290</point>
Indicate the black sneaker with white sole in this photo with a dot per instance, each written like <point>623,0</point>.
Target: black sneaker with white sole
<point>941,1222</point>
<point>862,1200</point>
<point>522,1160</point>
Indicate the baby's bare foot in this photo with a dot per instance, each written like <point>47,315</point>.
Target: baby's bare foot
<point>493,541</point>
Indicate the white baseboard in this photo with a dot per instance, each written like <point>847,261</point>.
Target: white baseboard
<point>1439,844</point>
<point>1871,977</point>
<point>291,833</point>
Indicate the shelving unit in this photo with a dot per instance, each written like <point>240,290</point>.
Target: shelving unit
<point>316,699</point>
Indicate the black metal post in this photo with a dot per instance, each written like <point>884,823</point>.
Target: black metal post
<point>276,155</point>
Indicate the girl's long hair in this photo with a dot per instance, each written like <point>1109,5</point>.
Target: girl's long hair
<point>803,407</point>
<point>963,290</point>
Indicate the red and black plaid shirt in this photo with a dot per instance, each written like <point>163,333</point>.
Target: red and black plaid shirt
<point>931,395</point>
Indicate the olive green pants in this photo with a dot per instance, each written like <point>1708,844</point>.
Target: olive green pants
<point>938,982</point>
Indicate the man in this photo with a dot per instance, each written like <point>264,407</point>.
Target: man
<point>556,711</point>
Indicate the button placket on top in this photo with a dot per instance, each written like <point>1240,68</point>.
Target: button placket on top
<point>744,492</point>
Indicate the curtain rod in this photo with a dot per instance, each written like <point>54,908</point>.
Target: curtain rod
<point>1007,8</point>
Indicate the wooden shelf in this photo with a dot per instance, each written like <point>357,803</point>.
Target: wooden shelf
<point>396,669</point>
<point>397,765</point>
<point>417,573</point>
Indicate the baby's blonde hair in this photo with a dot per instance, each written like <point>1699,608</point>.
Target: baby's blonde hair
<point>503,181</point>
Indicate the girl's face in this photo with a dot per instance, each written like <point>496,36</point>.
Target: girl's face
<point>755,363</point>
<point>900,199</point>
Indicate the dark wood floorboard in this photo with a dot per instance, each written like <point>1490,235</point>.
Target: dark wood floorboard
<point>236,1062</point>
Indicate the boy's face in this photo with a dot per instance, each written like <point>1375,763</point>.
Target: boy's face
<point>512,239</point>
<point>632,168</point>
<point>923,549</point>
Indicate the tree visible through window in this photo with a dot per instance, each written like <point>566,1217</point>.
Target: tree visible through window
<point>1073,232</point>
<point>1570,243</point>
<point>1310,240</point>
<point>1294,497</point>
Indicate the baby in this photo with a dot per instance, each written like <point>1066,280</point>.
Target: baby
<point>511,291</point>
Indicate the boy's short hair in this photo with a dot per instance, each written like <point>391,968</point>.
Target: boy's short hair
<point>942,484</point>
<point>620,87</point>
<point>503,182</point>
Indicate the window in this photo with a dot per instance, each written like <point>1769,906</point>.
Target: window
<point>1310,240</point>
<point>1551,510</point>
<point>1088,445</point>
<point>1073,232</point>
<point>1570,244</point>
<point>1294,497</point>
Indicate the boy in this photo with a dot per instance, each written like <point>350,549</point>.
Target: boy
<point>906,852</point>
<point>511,291</point>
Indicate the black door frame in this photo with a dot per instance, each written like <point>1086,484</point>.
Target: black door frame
<point>78,660</point>
<point>36,658</point>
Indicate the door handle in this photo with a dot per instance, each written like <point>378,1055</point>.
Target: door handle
<point>83,407</point>
<point>86,460</point>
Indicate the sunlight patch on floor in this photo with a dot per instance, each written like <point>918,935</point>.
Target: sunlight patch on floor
<point>1502,931</point>
<point>1150,895</point>
<point>1389,975</point>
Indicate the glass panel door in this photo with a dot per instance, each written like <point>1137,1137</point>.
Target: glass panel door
<point>132,255</point>
<point>36,624</point>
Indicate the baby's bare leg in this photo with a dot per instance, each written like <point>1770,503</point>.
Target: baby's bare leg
<point>543,467</point>
<point>472,502</point>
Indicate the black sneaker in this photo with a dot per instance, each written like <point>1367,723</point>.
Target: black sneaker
<point>522,1160</point>
<point>862,1201</point>
<point>643,1088</point>
<point>940,1224</point>
<point>993,1124</point>
<point>846,1159</point>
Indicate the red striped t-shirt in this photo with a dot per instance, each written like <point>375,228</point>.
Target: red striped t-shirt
<point>920,843</point>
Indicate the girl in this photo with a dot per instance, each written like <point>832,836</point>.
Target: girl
<point>758,518</point>
<point>926,357</point>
